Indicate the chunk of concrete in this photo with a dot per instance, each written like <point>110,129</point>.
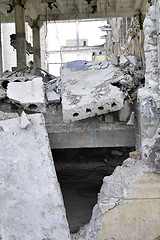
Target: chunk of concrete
<point>131,119</point>
<point>89,93</point>
<point>114,59</point>
<point>123,61</point>
<point>24,120</point>
<point>128,202</point>
<point>124,112</point>
<point>53,97</point>
<point>29,94</point>
<point>31,205</point>
<point>104,64</point>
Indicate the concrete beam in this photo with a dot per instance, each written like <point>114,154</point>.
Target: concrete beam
<point>87,138</point>
<point>77,16</point>
<point>88,133</point>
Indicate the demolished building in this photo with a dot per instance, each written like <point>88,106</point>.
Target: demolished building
<point>112,104</point>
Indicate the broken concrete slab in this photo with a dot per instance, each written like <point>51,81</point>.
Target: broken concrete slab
<point>89,93</point>
<point>28,94</point>
<point>31,205</point>
<point>122,205</point>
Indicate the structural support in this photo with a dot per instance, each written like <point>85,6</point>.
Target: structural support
<point>36,26</point>
<point>1,59</point>
<point>20,35</point>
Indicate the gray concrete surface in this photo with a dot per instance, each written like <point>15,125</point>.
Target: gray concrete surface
<point>31,206</point>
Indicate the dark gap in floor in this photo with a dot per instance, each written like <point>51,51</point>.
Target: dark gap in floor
<point>80,173</point>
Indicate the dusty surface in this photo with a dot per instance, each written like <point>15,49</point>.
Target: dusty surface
<point>29,94</point>
<point>31,205</point>
<point>87,93</point>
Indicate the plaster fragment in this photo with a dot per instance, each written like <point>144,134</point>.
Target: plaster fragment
<point>24,122</point>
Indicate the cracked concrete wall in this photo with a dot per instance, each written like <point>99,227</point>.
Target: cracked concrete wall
<point>151,48</point>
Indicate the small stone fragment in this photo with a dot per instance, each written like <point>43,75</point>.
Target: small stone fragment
<point>24,120</point>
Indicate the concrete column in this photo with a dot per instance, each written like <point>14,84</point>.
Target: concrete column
<point>36,46</point>
<point>20,35</point>
<point>1,59</point>
<point>36,26</point>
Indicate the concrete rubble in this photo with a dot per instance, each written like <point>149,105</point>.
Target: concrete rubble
<point>121,93</point>
<point>122,205</point>
<point>98,88</point>
<point>29,94</point>
<point>29,191</point>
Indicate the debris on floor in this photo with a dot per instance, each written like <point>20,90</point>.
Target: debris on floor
<point>99,87</point>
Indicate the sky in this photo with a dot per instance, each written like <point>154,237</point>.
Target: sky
<point>59,32</point>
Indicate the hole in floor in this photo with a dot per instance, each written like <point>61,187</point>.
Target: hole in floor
<point>80,173</point>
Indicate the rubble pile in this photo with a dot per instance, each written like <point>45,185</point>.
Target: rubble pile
<point>130,75</point>
<point>86,89</point>
<point>95,88</point>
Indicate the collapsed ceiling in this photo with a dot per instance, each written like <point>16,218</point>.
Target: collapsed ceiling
<point>72,9</point>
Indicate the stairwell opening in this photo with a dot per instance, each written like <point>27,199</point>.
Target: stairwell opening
<point>80,173</point>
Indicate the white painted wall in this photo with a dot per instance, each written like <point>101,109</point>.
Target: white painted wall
<point>58,33</point>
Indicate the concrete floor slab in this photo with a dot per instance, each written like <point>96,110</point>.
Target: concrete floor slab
<point>88,93</point>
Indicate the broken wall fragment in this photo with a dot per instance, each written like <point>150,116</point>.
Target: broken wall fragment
<point>31,205</point>
<point>30,94</point>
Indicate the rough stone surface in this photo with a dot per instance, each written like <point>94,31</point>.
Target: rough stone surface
<point>151,48</point>
<point>29,94</point>
<point>88,93</point>
<point>122,205</point>
<point>3,93</point>
<point>148,119</point>
<point>24,120</point>
<point>108,118</point>
<point>4,116</point>
<point>124,112</point>
<point>31,206</point>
